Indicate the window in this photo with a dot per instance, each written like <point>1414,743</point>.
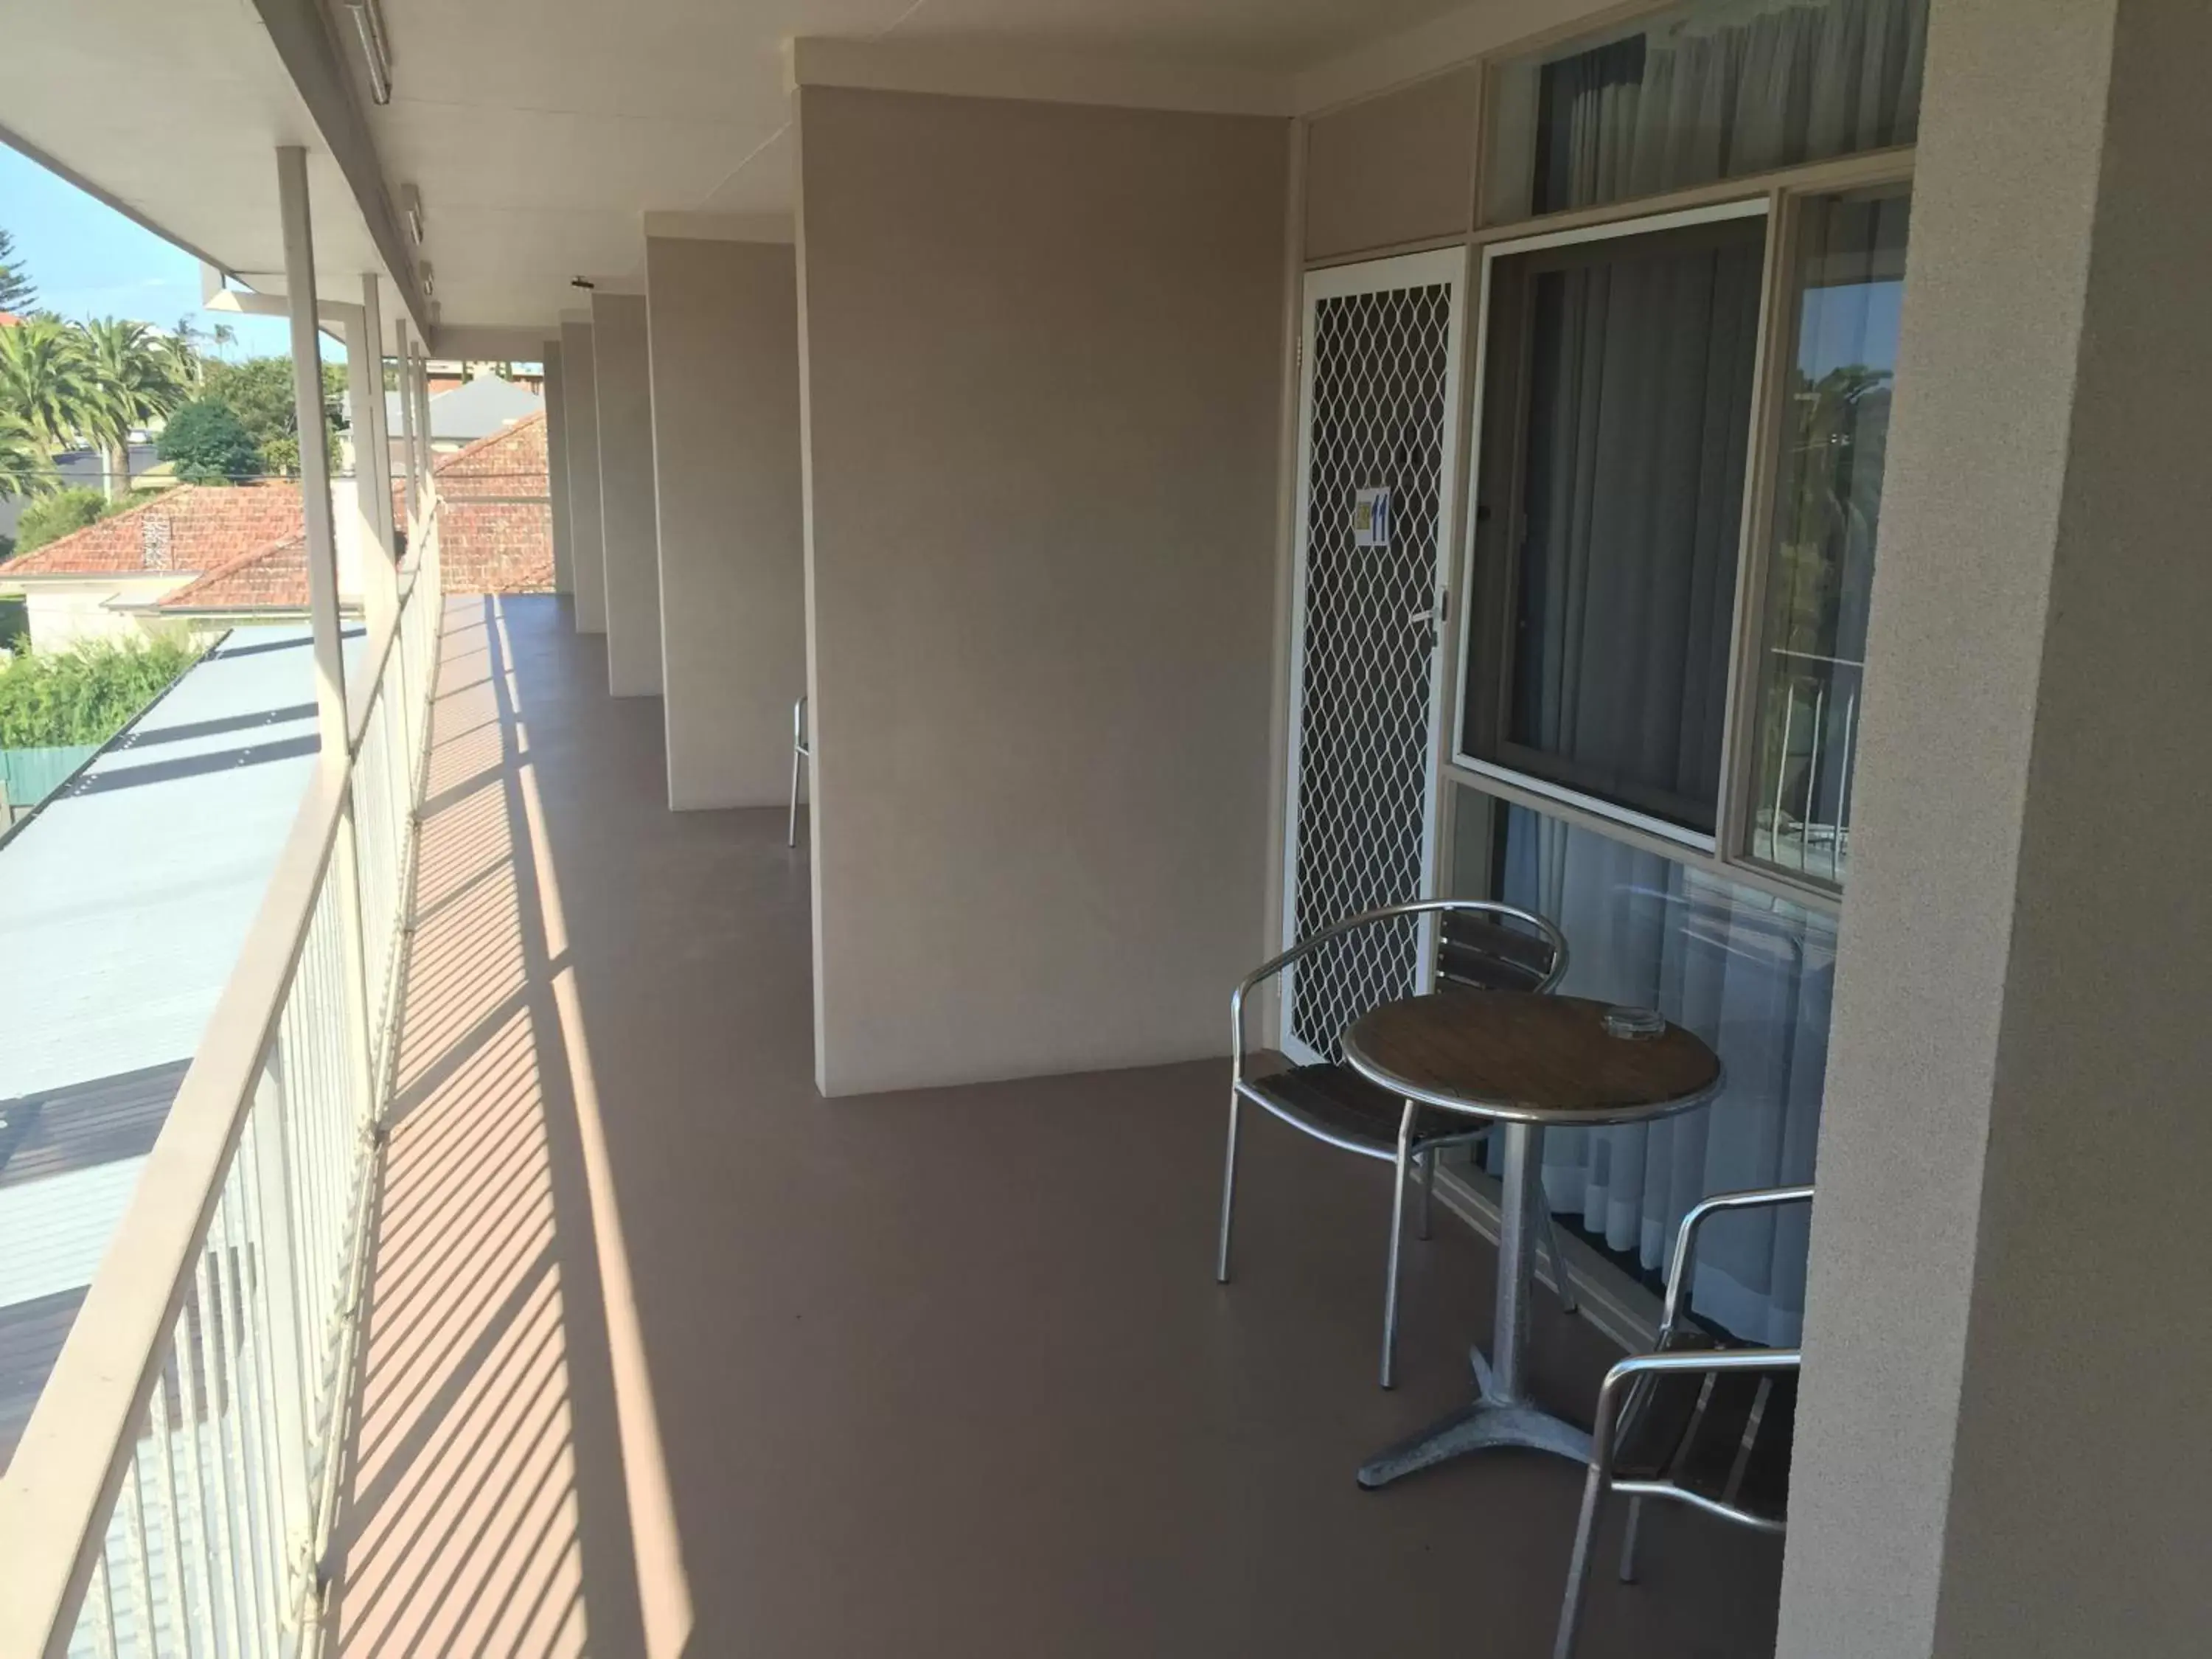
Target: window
<point>1848,278</point>
<point>1618,379</point>
<point>1717,89</point>
<point>1752,974</point>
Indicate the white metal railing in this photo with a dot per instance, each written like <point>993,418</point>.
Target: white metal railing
<point>174,1489</point>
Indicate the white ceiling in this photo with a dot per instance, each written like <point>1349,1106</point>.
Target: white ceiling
<point>172,110</point>
<point>539,132</point>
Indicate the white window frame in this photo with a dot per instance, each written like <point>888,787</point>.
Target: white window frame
<point>1761,206</point>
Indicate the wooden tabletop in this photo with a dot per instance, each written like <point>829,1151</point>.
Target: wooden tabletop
<point>1533,1058</point>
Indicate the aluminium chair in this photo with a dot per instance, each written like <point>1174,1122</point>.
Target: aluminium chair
<point>1480,944</point>
<point>802,750</point>
<point>1694,1421</point>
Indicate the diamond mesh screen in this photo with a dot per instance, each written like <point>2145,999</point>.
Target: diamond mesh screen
<point>1378,422</point>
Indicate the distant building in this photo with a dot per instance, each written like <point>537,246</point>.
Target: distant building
<point>202,554</point>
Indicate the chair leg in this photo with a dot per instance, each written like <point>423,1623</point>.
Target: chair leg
<point>1227,1193</point>
<point>1570,1610</point>
<point>1397,1234</point>
<point>1628,1540</point>
<point>1558,1264</point>
<point>1428,1162</point>
<point>790,834</point>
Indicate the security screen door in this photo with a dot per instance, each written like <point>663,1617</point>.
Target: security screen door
<point>1378,395</point>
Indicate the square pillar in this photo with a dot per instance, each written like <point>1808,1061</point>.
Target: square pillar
<point>2003,1445</point>
<point>629,538</point>
<point>557,466</point>
<point>724,328</point>
<point>579,403</point>
<point>1042,376</point>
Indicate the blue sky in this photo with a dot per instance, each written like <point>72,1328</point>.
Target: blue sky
<point>90,261</point>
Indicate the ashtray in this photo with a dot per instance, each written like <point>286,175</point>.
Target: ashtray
<point>1637,1024</point>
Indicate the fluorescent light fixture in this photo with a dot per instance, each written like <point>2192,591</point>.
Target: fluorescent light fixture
<point>410,205</point>
<point>429,279</point>
<point>376,49</point>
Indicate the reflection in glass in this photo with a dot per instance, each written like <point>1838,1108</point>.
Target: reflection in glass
<point>1614,454</point>
<point>1750,974</point>
<point>1849,278</point>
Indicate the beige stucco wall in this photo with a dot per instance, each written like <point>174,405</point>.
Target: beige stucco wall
<point>1041,375</point>
<point>724,327</point>
<point>2002,1447</point>
<point>630,540</point>
<point>59,614</point>
<point>579,403</point>
<point>557,466</point>
<point>1393,169</point>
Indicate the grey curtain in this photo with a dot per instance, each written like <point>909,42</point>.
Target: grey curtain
<point>1755,977</point>
<point>1734,89</point>
<point>1640,411</point>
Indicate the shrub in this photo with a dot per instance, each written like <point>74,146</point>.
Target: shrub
<point>209,444</point>
<point>87,693</point>
<point>52,517</point>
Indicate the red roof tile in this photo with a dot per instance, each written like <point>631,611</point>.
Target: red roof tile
<point>191,527</point>
<point>273,578</point>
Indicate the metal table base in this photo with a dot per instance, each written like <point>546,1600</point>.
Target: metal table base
<point>1502,1414</point>
<point>1489,1421</point>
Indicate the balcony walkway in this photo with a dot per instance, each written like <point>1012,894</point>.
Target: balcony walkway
<point>938,1373</point>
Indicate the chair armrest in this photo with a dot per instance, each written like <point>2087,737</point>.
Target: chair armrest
<point>1686,1237</point>
<point>1274,965</point>
<point>1623,1377</point>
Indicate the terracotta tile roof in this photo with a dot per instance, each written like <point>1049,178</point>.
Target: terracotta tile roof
<point>508,462</point>
<point>272,578</point>
<point>191,527</point>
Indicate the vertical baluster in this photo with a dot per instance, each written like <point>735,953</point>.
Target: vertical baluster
<point>100,1608</point>
<point>1781,772</point>
<point>140,1558</point>
<point>191,1338</point>
<point>1844,790</point>
<point>1812,775</point>
<point>257,1293</point>
<point>216,1531</point>
<point>238,1366</point>
<point>172,1521</point>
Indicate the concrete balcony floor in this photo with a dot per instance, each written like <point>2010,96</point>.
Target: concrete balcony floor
<point>664,1353</point>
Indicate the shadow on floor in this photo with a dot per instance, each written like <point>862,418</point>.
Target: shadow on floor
<point>930,1374</point>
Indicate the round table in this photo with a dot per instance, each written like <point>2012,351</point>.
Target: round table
<point>1529,1063</point>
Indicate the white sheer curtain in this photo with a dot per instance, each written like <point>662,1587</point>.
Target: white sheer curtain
<point>1751,975</point>
<point>1731,88</point>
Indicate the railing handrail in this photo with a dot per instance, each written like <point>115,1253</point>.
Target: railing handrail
<point>69,1466</point>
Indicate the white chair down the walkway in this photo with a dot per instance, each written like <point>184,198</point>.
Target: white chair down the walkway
<point>801,752</point>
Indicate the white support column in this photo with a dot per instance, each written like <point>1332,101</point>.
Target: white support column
<point>364,382</point>
<point>372,308</point>
<point>401,361</point>
<point>629,536</point>
<point>333,724</point>
<point>2003,1446</point>
<point>314,453</point>
<point>424,434</point>
<point>557,468</point>
<point>730,513</point>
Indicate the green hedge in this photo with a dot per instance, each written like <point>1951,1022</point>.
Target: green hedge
<point>87,693</point>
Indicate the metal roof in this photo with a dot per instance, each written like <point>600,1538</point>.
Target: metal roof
<point>123,907</point>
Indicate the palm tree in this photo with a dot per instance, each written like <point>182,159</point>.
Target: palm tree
<point>180,356</point>
<point>26,469</point>
<point>43,382</point>
<point>129,383</point>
